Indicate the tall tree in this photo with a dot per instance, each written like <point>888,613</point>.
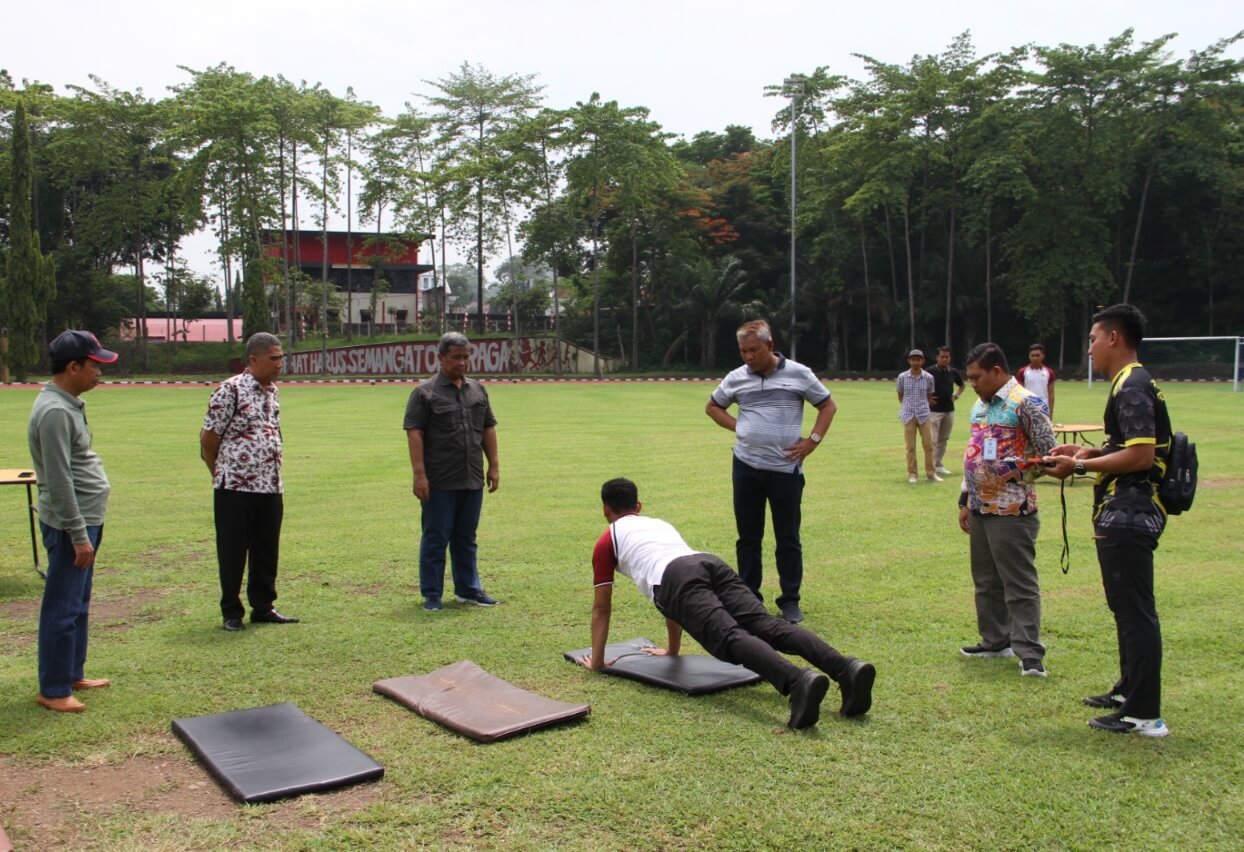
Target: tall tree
<point>30,276</point>
<point>477,110</point>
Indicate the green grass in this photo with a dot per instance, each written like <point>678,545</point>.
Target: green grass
<point>955,754</point>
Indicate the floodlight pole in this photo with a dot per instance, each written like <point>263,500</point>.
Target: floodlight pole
<point>794,88</point>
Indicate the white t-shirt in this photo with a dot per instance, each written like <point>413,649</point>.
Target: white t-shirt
<point>1037,381</point>
<point>640,548</point>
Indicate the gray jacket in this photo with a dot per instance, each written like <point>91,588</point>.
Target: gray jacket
<point>73,488</point>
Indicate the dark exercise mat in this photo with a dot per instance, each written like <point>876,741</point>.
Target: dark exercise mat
<point>692,674</point>
<point>465,698</point>
<point>269,753</point>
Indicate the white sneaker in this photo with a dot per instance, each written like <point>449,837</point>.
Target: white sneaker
<point>911,480</point>
<point>943,471</point>
<point>933,477</point>
<point>1119,724</point>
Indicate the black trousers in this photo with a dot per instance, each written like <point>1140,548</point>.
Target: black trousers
<point>783,493</point>
<point>1126,558</point>
<point>708,599</point>
<point>248,530</point>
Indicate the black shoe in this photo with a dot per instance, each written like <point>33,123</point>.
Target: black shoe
<point>1103,702</point>
<point>271,617</point>
<point>791,612</point>
<point>857,688</point>
<point>980,649</point>
<point>1032,667</point>
<point>805,699</point>
<point>233,625</point>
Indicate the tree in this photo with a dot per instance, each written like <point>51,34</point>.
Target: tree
<point>477,111</point>
<point>30,276</point>
<point>618,164</point>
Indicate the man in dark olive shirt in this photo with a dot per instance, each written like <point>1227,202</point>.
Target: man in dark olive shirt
<point>1128,517</point>
<point>945,378</point>
<point>450,428</point>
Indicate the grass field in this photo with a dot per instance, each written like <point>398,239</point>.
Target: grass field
<point>956,753</point>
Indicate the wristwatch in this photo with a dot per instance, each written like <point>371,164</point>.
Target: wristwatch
<point>1080,471</point>
<point>815,437</point>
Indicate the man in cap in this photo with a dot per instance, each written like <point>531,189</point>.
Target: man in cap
<point>915,396</point>
<point>73,496</point>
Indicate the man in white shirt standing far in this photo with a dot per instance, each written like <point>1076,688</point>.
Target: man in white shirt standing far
<point>915,397</point>
<point>1037,377</point>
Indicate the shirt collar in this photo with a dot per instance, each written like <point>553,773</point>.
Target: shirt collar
<point>781,363</point>
<point>59,391</point>
<point>1004,391</point>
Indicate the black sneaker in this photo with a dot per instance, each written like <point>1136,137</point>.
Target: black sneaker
<point>857,688</point>
<point>1117,723</point>
<point>432,604</point>
<point>480,598</point>
<point>805,699</point>
<point>980,649</point>
<point>791,612</point>
<point>1106,701</point>
<point>233,625</point>
<point>1032,667</point>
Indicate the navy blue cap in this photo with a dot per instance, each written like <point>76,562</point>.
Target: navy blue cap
<point>72,345</point>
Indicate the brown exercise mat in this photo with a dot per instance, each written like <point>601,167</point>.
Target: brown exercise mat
<point>465,698</point>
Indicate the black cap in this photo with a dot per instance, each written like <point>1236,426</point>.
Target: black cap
<point>72,345</point>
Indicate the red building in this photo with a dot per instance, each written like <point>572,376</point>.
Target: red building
<point>411,293</point>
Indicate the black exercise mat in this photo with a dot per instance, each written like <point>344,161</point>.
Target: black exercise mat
<point>692,674</point>
<point>465,698</point>
<point>269,753</point>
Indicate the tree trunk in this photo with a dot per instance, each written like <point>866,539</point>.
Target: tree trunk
<point>988,275</point>
<point>324,259</point>
<point>350,236</point>
<point>1140,216</point>
<point>950,269</point>
<point>295,323</point>
<point>289,319</point>
<point>596,297</point>
<point>911,284</point>
<point>634,295</point>
<point>868,305</point>
<point>889,241</point>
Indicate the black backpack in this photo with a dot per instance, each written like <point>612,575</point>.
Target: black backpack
<point>1178,486</point>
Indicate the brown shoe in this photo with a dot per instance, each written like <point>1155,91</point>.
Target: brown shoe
<point>67,704</point>
<point>92,683</point>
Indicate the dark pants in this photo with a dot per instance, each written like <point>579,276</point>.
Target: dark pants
<point>248,535</point>
<point>1126,558</point>
<point>710,601</point>
<point>783,492</point>
<point>64,616</point>
<point>449,519</point>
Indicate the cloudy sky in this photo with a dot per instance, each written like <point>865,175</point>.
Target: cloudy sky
<point>696,65</point>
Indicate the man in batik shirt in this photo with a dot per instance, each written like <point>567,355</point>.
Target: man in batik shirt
<point>998,509</point>
<point>241,444</point>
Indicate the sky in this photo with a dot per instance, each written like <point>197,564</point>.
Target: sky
<point>695,65</point>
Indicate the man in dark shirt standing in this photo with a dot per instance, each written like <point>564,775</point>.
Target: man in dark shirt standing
<point>945,378</point>
<point>1128,517</point>
<point>450,428</point>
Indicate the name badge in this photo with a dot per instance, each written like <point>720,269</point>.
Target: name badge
<point>991,449</point>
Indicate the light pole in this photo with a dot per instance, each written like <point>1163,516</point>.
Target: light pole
<point>792,87</point>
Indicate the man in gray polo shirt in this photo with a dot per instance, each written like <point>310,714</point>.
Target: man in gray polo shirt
<point>770,391</point>
<point>450,428</point>
<point>73,496</point>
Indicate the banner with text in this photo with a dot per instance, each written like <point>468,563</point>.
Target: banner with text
<point>522,355</point>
